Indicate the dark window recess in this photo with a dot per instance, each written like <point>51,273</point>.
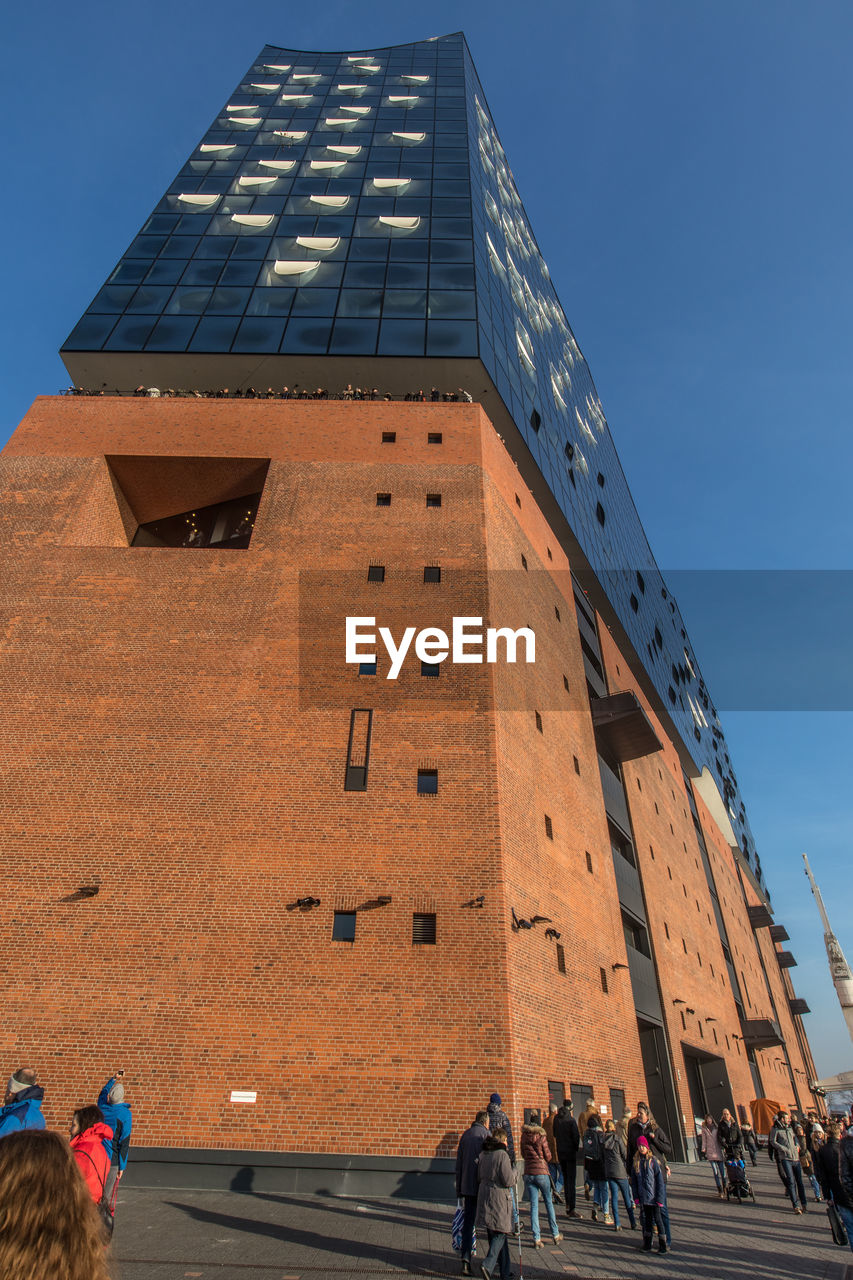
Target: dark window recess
<point>641,582</point>
<point>549,828</point>
<point>538,721</point>
<point>548,549</point>
<point>561,958</point>
<point>535,421</point>
<point>600,479</point>
<point>383,499</point>
<point>431,669</point>
<point>343,927</point>
<point>683,1022</point>
<point>433,499</point>
<point>577,764</point>
<point>672,695</point>
<point>666,928</point>
<point>524,562</point>
<point>434,437</point>
<point>622,845</point>
<point>570,450</point>
<point>589,861</point>
<point>658,638</point>
<point>566,683</point>
<point>432,573</point>
<point>636,936</point>
<point>592,657</point>
<point>428,782</point>
<point>389,437</point>
<point>226,526</point>
<point>572,477</point>
<point>635,604</point>
<point>376,573</point>
<point>556,613</point>
<point>603,976</point>
<point>423,929</point>
<point>599,514</point>
<point>517,500</point>
<point>358,750</point>
<point>367,668</point>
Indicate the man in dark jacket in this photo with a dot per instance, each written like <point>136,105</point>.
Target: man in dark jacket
<point>644,1126</point>
<point>499,1119</point>
<point>845,1178</point>
<point>784,1145</point>
<point>467,1155</point>
<point>567,1141</point>
<point>22,1103</point>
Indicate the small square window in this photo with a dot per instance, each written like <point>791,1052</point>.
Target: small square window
<point>432,669</point>
<point>389,437</point>
<point>561,958</point>
<point>432,573</point>
<point>549,828</point>
<point>343,926</point>
<point>433,499</point>
<point>383,499</point>
<point>367,668</point>
<point>423,929</point>
<point>376,573</point>
<point>427,782</point>
<point>434,437</point>
<point>524,562</point>
<point>538,721</point>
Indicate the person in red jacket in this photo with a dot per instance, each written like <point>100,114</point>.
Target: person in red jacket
<point>88,1133</point>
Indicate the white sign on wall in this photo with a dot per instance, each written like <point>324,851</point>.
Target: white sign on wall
<point>243,1095</point>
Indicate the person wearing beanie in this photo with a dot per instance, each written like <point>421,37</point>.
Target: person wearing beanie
<point>498,1119</point>
<point>649,1190</point>
<point>117,1116</point>
<point>22,1103</point>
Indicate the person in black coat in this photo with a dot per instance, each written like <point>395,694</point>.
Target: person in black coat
<point>845,1178</point>
<point>467,1185</point>
<point>567,1140</point>
<point>730,1136</point>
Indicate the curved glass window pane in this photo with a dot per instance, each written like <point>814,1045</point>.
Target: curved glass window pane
<point>214,333</point>
<point>130,333</point>
<point>401,338</point>
<point>452,338</point>
<point>171,333</point>
<point>306,335</point>
<point>258,335</point>
<point>90,333</point>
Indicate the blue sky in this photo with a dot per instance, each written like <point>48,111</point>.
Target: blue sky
<point>686,171</point>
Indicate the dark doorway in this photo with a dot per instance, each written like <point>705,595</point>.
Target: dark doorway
<point>708,1082</point>
<point>659,1086</point>
<point>556,1092</point>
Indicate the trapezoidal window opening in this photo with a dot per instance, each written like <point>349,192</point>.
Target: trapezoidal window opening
<point>192,503</point>
<point>358,749</point>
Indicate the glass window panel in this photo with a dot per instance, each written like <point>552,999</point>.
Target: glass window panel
<point>251,247</point>
<point>161,222</point>
<point>202,272</point>
<point>258,335</point>
<point>171,333</point>
<point>214,333</point>
<point>298,226</point>
<point>451,250</point>
<point>89,333</point>
<point>403,274</point>
<point>449,305</point>
<point>192,301</point>
<point>146,247</point>
<point>451,208</point>
<point>306,335</point>
<point>360,302</point>
<point>357,337</point>
<point>315,302</point>
<point>373,250</point>
<point>407,250</point>
<point>180,247</point>
<point>113,298</point>
<point>129,272</point>
<point>405,302</point>
<point>270,302</point>
<point>453,228</point>
<point>166,271</point>
<point>452,338</point>
<point>228,301</point>
<point>365,273</point>
<point>130,333</point>
<point>149,298</point>
<point>215,247</point>
<point>240,272</point>
<point>447,275</point>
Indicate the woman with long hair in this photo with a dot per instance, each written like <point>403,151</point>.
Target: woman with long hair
<point>50,1228</point>
<point>712,1150</point>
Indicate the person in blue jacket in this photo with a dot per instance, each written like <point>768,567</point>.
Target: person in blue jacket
<point>22,1103</point>
<point>117,1116</point>
<point>649,1188</point>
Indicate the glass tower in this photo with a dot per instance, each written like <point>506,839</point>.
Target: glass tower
<point>360,205</point>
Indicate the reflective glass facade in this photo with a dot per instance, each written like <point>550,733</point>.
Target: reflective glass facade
<point>361,204</point>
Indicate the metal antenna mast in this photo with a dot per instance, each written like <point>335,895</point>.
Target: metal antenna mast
<point>842,977</point>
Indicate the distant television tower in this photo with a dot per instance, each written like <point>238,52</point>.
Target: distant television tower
<point>842,977</point>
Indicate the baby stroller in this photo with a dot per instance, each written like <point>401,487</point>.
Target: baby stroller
<point>737,1183</point>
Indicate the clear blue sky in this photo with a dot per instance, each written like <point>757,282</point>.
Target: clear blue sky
<point>686,171</point>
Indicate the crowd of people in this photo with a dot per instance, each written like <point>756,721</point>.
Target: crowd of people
<point>349,392</point>
<point>58,1195</point>
<point>625,1161</point>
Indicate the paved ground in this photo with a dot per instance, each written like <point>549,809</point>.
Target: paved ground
<point>170,1235</point>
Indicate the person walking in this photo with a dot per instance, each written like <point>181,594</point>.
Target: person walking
<point>89,1136</point>
<point>712,1150</point>
<point>118,1117</point>
<point>498,1119</point>
<point>22,1103</point>
<point>785,1148</point>
<point>495,1202</point>
<point>593,1159</point>
<point>730,1135</point>
<point>554,1167</point>
<point>616,1173</point>
<point>828,1166</point>
<point>806,1160</point>
<point>590,1110</point>
<point>567,1141</point>
<point>467,1186</point>
<point>750,1142</point>
<point>537,1180</point>
<point>649,1189</point>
